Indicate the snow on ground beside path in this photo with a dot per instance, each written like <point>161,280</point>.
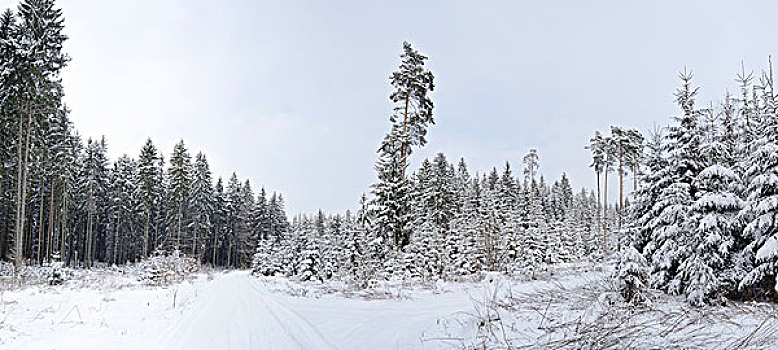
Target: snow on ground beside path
<point>44,317</point>
<point>235,310</point>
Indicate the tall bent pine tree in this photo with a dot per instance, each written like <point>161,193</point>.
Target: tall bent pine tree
<point>411,116</point>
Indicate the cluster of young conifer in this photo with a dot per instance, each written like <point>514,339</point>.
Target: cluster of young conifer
<point>704,215</point>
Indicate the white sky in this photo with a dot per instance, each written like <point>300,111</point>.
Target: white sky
<point>293,95</point>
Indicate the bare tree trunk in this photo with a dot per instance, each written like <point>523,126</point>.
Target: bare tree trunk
<point>599,200</point>
<point>213,247</point>
<point>621,195</point>
<point>146,234</point>
<point>18,235</point>
<point>22,195</point>
<point>63,221</point>
<point>88,244</point>
<point>40,223</point>
<point>4,234</point>
<point>50,245</point>
<point>445,254</point>
<point>178,234</point>
<point>115,250</point>
<point>194,245</point>
<point>88,241</point>
<point>403,152</point>
<point>229,254</point>
<point>605,212</point>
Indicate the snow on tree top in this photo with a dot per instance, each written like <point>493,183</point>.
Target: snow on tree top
<point>719,171</point>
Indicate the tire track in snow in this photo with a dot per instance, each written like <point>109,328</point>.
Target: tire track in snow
<point>300,323</point>
<point>238,313</point>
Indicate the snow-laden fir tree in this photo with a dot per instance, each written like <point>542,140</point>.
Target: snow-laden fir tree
<point>391,194</point>
<point>631,275</point>
<point>760,215</point>
<point>440,197</point>
<point>265,261</point>
<point>469,224</point>
<point>642,216</point>
<point>714,227</point>
<point>670,242</point>
<point>121,239</point>
<point>179,180</point>
<point>149,195</point>
<point>94,186</point>
<point>200,206</point>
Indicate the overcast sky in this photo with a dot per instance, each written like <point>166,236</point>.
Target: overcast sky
<point>293,95</point>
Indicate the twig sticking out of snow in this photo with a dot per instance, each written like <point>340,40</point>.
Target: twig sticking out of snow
<point>75,307</point>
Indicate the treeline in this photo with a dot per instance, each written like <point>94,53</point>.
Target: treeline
<point>703,221</point>
<point>439,222</point>
<point>62,199</point>
<point>459,224</point>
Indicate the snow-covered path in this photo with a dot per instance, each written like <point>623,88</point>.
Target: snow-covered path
<point>237,312</point>
<point>231,311</point>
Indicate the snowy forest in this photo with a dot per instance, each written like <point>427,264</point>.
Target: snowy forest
<point>673,240</point>
<point>62,199</point>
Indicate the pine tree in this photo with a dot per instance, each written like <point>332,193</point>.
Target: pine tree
<point>233,202</point>
<point>218,239</point>
<point>263,262</point>
<point>179,180</point>
<point>469,224</point>
<point>410,120</point>
<point>201,205</point>
<point>7,127</point>
<point>94,185</point>
<point>310,254</point>
<point>531,165</point>
<point>441,197</point>
<point>149,194</point>
<point>391,194</point>
<point>411,83</point>
<point>122,188</point>
<point>245,243</point>
<point>34,62</point>
<point>597,146</point>
<point>279,224</point>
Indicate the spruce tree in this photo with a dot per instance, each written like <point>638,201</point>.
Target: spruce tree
<point>179,180</point>
<point>149,195</point>
<point>201,206</point>
<point>672,231</point>
<point>713,216</point>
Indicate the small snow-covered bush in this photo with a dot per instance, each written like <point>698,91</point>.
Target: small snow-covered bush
<point>631,275</point>
<point>58,274</point>
<point>162,268</point>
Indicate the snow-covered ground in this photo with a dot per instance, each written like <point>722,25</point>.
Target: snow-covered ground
<point>572,308</point>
